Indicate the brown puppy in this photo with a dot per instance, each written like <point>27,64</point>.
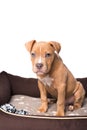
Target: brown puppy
<point>54,76</point>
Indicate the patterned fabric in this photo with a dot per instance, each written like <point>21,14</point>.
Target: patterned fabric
<point>12,109</point>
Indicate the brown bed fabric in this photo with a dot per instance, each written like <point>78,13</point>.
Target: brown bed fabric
<point>5,90</point>
<point>84,82</point>
<point>11,85</point>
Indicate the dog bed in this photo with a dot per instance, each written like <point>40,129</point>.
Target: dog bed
<point>20,99</point>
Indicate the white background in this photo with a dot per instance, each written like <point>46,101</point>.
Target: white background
<point>58,20</point>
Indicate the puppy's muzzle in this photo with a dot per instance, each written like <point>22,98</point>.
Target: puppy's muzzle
<point>39,65</point>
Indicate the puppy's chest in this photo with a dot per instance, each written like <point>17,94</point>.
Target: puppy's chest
<point>47,81</point>
<point>49,85</point>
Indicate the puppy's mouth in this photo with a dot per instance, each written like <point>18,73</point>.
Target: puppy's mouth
<point>40,71</point>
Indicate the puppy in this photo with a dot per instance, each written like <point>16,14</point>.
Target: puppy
<point>54,77</point>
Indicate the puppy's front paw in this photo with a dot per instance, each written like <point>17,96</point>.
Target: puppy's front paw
<point>43,108</point>
<point>60,113</point>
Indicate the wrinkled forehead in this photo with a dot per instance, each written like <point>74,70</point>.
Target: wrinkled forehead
<point>42,47</point>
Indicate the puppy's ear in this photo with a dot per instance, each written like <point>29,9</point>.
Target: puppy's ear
<point>56,46</point>
<point>29,45</point>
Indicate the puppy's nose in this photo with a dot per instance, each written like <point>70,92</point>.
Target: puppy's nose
<point>39,65</point>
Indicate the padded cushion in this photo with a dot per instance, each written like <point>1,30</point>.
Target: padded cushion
<point>31,105</point>
<point>5,90</point>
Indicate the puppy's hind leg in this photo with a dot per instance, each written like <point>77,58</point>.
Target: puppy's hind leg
<point>78,97</point>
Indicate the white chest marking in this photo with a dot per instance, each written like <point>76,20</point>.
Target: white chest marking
<point>47,81</point>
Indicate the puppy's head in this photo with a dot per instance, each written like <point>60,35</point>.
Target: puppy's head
<point>42,55</point>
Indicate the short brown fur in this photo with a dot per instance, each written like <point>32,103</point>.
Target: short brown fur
<point>54,77</point>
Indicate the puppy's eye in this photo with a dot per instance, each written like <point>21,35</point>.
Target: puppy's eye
<point>48,55</point>
<point>33,54</point>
